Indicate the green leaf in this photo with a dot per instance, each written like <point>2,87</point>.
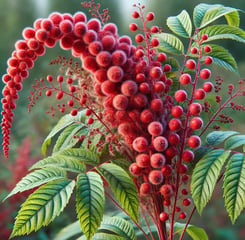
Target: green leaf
<point>69,231</point>
<point>233,19</point>
<point>62,123</point>
<point>235,141</point>
<point>118,226</point>
<point>173,63</point>
<point>234,186</point>
<point>43,206</point>
<point>205,14</point>
<point>217,137</point>
<point>219,32</point>
<point>169,43</point>
<point>180,24</point>
<point>103,236</point>
<point>66,138</point>
<point>196,233</point>
<point>205,176</point>
<point>122,186</point>
<point>90,202</point>
<point>37,178</point>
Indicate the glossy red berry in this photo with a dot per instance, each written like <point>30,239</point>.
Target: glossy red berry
<point>182,168</point>
<point>174,139</point>
<point>191,64</point>
<point>157,160</point>
<point>140,144</point>
<point>159,87</point>
<point>139,38</point>
<point>180,95</point>
<point>166,170</point>
<point>129,88</point>
<point>135,14</point>
<point>194,141</point>
<point>161,57</point>
<point>195,109</point>
<point>185,79</point>
<point>157,105</point>
<point>205,73</point>
<point>207,87</point>
<point>155,177</point>
<point>146,116</point>
<point>177,111</point>
<point>135,169</point>
<point>182,215</point>
<point>155,42</point>
<point>196,123</point>
<point>184,191</point>
<point>208,60</point>
<point>155,128</point>
<point>167,68</point>
<point>120,102</point>
<point>186,202</point>
<point>200,94</point>
<point>166,190</point>
<point>150,16</point>
<point>74,112</point>
<point>156,72</point>
<point>160,143</point>
<point>143,160</point>
<point>164,216</point>
<point>145,88</point>
<point>204,37</point>
<point>175,124</point>
<point>115,74</point>
<point>188,156</point>
<point>194,50</point>
<point>133,27</point>
<point>154,29</point>
<point>145,189</point>
<point>207,49</point>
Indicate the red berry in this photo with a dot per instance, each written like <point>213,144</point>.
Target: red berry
<point>171,152</point>
<point>194,141</point>
<point>205,73</point>
<point>155,128</point>
<point>120,102</point>
<point>162,57</point>
<point>74,112</point>
<point>177,111</point>
<point>207,87</point>
<point>194,50</point>
<point>150,16</point>
<point>145,189</point>
<point>143,160</point>
<point>49,93</point>
<point>200,94</point>
<point>207,49</point>
<point>160,143</point>
<point>88,112</point>
<point>135,169</point>
<point>140,144</point>
<point>103,58</point>
<point>208,60</point>
<point>140,77</point>
<point>204,37</point>
<point>196,123</point>
<point>129,88</point>
<point>66,26</point>
<point>59,95</point>
<point>191,64</point>
<point>166,190</point>
<point>95,47</point>
<point>182,168</point>
<point>159,87</point>
<point>133,27</point>
<point>144,88</point>
<point>174,139</point>
<point>157,105</point>
<point>135,14</point>
<point>167,202</point>
<point>146,116</point>
<point>100,75</point>
<point>167,68</point>
<point>139,53</point>
<point>155,42</point>
<point>70,103</point>
<point>175,124</point>
<point>94,24</point>
<point>157,160</point>
<point>119,58</point>
<point>90,36</point>
<point>180,95</point>
<point>154,29</point>
<point>195,109</point>
<point>156,72</point>
<point>182,215</point>
<point>115,74</point>
<point>185,79</point>
<point>72,89</point>
<point>184,191</point>
<point>155,177</point>
<point>69,80</point>
<point>164,216</point>
<point>139,100</point>
<point>166,170</point>
<point>188,155</point>
<point>90,63</point>
<point>108,87</point>
<point>186,202</point>
<point>139,38</point>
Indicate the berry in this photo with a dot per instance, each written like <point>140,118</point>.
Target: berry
<point>150,16</point>
<point>146,116</point>
<point>143,160</point>
<point>74,112</point>
<point>177,111</point>
<point>157,160</point>
<point>103,58</point>
<point>182,168</point>
<point>188,156</point>
<point>135,169</point>
<point>166,190</point>
<point>115,74</point>
<point>195,109</point>
<point>167,68</point>
<point>144,88</point>
<point>186,202</point>
<point>70,103</point>
<point>159,86</point>
<point>208,60</point>
<point>166,170</point>
<point>94,24</point>
<point>207,87</point>
<point>139,100</point>
<point>49,93</point>
<point>108,88</point>
<point>182,215</point>
<point>160,143</point>
<point>95,47</point>
<point>139,38</point>
<point>133,27</point>
<point>184,191</point>
<point>180,95</point>
<point>145,189</point>
<point>194,50</point>
<point>154,29</point>
<point>205,73</point>
<point>185,79</point>
<point>155,42</point>
<point>66,26</point>
<point>140,144</point>
<point>196,123</point>
<point>164,216</point>
<point>90,64</point>
<point>174,139</point>
<point>191,64</point>
<point>155,177</point>
<point>129,88</point>
<point>175,124</point>
<point>100,75</point>
<point>135,14</point>
<point>59,95</point>
<point>155,128</point>
<point>156,72</point>
<point>194,141</point>
<point>200,94</point>
<point>120,102</point>
<point>162,57</point>
<point>204,37</point>
<point>119,58</point>
<point>207,49</point>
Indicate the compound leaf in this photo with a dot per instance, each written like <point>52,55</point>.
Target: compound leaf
<point>217,137</point>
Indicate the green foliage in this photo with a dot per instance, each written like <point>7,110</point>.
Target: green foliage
<point>90,202</point>
<point>69,231</point>
<point>217,137</point>
<point>122,186</point>
<point>205,176</point>
<point>43,206</point>
<point>235,141</point>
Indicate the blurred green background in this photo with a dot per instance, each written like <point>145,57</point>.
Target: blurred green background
<point>16,15</point>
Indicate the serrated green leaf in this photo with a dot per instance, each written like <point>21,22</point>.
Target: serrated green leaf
<point>37,178</point>
<point>69,231</point>
<point>169,43</point>
<point>235,141</point>
<point>205,176</point>
<point>205,14</point>
<point>42,206</point>
<point>234,186</point>
<point>233,19</point>
<point>217,137</point>
<point>103,236</point>
<point>66,138</point>
<point>196,233</point>
<point>122,186</point>
<point>118,226</point>
<point>65,121</point>
<point>90,202</point>
<point>219,32</point>
<point>180,24</point>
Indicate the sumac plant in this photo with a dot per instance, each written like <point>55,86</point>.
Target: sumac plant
<point>142,130</point>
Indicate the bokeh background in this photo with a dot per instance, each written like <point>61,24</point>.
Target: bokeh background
<point>30,129</point>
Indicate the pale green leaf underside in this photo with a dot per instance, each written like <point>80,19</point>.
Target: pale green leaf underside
<point>43,206</point>
<point>235,142</point>
<point>62,123</point>
<point>234,186</point>
<point>196,233</point>
<point>37,178</point>
<point>205,14</point>
<point>90,202</point>
<point>180,24</point>
<point>205,176</point>
<point>69,231</point>
<point>118,226</point>
<point>169,43</point>
<point>219,32</point>
<point>122,186</point>
<point>217,137</point>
